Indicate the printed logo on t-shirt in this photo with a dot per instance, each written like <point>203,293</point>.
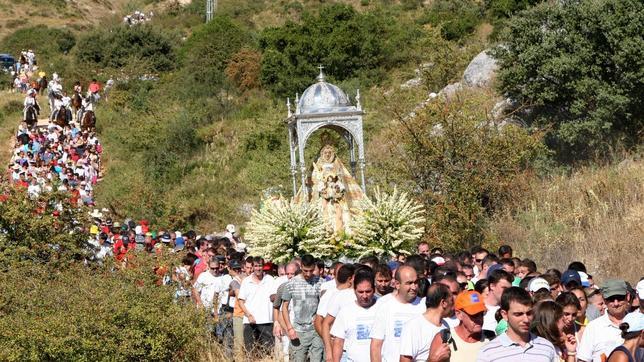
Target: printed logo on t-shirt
<point>397,328</point>
<point>363,331</point>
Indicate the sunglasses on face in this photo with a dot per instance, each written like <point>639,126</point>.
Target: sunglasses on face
<point>619,298</point>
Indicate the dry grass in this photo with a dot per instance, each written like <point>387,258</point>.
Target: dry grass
<point>76,14</point>
<point>11,104</point>
<point>595,215</point>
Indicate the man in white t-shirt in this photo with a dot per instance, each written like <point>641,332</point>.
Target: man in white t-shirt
<point>351,329</point>
<point>330,284</point>
<point>417,339</point>
<point>602,335</point>
<point>254,300</point>
<point>344,281</point>
<point>207,285</point>
<point>499,280</point>
<point>393,314</point>
<point>449,280</point>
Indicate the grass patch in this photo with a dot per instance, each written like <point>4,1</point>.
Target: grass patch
<point>594,215</point>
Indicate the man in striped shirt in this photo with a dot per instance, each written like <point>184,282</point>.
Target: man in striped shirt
<point>517,343</point>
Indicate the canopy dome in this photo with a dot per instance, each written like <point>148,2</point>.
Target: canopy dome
<point>323,97</point>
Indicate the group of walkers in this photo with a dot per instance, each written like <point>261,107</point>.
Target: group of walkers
<point>137,17</point>
<point>57,157</point>
<point>430,306</point>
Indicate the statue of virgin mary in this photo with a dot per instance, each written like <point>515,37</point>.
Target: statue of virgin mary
<point>334,190</point>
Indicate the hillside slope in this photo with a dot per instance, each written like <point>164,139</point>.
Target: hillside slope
<point>75,14</point>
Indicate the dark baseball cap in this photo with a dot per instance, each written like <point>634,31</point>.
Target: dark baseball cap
<point>569,276</point>
<point>234,264</point>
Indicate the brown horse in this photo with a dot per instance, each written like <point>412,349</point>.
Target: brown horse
<point>77,102</point>
<point>42,85</point>
<point>88,123</point>
<point>62,117</point>
<point>31,115</point>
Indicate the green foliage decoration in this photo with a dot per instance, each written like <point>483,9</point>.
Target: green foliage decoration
<point>578,66</point>
<point>282,229</point>
<point>389,225</point>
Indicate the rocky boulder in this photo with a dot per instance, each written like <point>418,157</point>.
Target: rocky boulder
<point>480,71</point>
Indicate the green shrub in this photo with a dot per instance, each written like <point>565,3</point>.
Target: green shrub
<point>578,66</point>
<point>91,314</point>
<point>457,18</point>
<point>44,41</point>
<point>114,47</point>
<point>38,232</point>
<point>349,44</point>
<point>207,52</point>
<point>506,8</point>
<point>461,165</point>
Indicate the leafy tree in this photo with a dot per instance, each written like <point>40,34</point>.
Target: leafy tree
<point>116,47</point>
<point>44,41</point>
<point>347,43</point>
<point>457,19</point>
<point>578,66</point>
<point>460,164</point>
<point>207,52</point>
<point>45,230</point>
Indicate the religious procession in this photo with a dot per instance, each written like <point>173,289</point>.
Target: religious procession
<point>390,242</point>
<point>300,285</point>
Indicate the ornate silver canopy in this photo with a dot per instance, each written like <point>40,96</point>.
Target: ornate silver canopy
<point>324,105</point>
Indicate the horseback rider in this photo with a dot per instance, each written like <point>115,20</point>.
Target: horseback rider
<point>78,88</point>
<point>93,90</point>
<point>30,101</point>
<point>87,106</point>
<point>31,58</point>
<point>55,91</point>
<point>66,102</point>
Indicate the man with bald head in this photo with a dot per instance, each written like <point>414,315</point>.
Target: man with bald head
<point>393,313</point>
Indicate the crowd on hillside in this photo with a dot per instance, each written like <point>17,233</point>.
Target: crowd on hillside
<point>432,306</point>
<point>137,17</point>
<point>55,158</point>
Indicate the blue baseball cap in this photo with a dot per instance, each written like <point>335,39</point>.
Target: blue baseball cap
<point>569,276</point>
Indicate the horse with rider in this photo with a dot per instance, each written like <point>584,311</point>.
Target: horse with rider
<point>31,109</point>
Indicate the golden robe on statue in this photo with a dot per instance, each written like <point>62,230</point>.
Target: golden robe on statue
<point>334,190</point>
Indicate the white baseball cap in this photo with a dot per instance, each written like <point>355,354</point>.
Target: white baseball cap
<point>635,322</point>
<point>640,289</point>
<point>240,247</point>
<point>537,284</point>
<point>585,282</point>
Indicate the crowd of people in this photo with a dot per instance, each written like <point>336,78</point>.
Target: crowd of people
<point>137,17</point>
<point>55,158</point>
<point>431,306</point>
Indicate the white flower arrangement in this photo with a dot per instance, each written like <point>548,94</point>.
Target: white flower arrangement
<point>389,225</point>
<point>283,229</point>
